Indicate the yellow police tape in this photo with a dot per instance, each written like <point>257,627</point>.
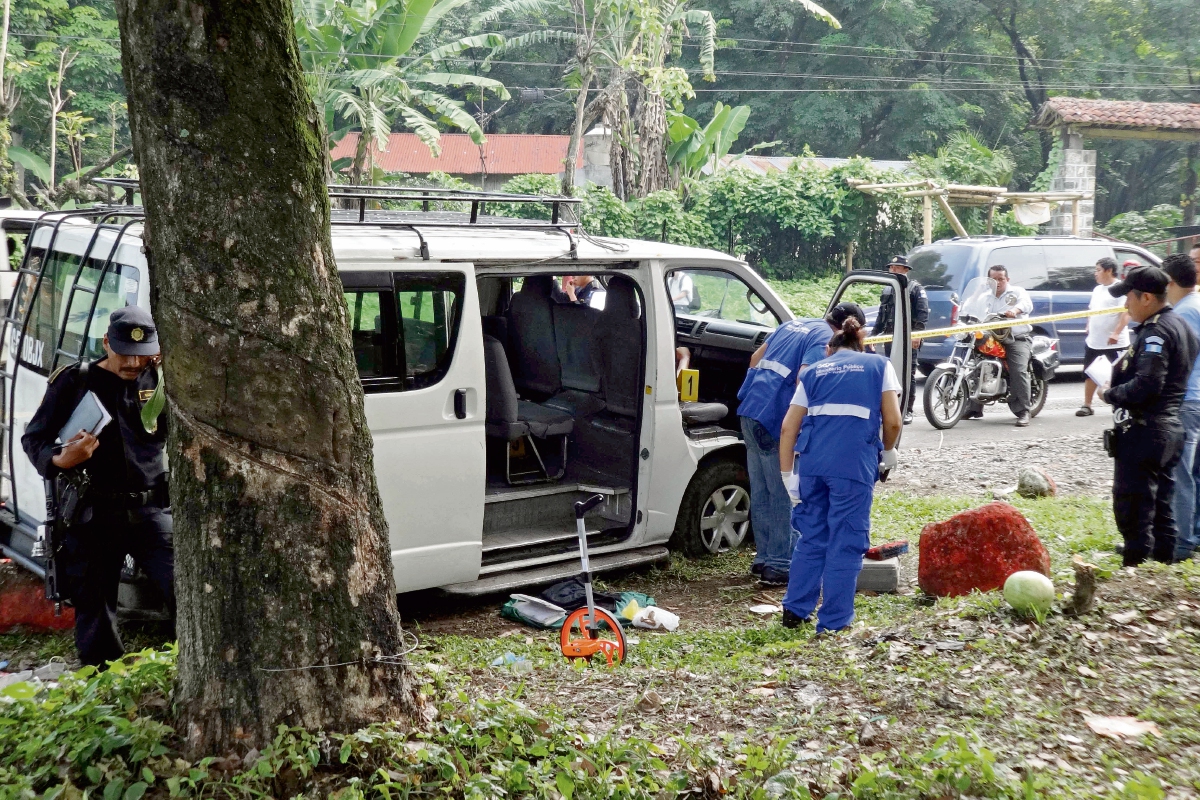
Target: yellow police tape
<point>991,326</point>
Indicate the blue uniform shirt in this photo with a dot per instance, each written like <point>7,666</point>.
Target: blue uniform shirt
<point>1189,309</point>
<point>839,437</point>
<point>767,390</point>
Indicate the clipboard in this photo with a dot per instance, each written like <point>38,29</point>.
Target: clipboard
<point>1100,371</point>
<point>90,415</point>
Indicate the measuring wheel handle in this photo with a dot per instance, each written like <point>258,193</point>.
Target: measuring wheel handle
<point>583,639</point>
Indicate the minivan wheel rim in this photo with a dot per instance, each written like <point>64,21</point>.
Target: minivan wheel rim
<point>725,519</point>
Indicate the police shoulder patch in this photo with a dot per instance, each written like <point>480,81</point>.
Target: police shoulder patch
<point>1155,340</point>
<point>1153,348</point>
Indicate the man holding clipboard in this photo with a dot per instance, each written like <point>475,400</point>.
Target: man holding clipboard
<point>92,439</point>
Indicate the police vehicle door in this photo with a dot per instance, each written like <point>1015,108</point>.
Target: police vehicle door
<point>901,356</point>
<point>418,343</point>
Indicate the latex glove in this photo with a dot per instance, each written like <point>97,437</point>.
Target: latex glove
<point>887,459</point>
<point>791,482</point>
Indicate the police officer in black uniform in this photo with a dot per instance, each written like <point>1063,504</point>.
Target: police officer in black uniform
<point>124,509</point>
<point>1148,385</point>
<point>885,320</point>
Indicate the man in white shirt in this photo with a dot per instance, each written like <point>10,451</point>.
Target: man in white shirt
<point>1107,334</point>
<point>683,292</point>
<point>1012,302</point>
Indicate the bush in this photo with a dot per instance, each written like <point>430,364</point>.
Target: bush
<point>1145,226</point>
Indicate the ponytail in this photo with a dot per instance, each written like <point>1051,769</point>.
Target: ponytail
<point>848,337</point>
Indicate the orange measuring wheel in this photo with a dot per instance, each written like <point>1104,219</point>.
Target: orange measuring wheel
<point>583,640</point>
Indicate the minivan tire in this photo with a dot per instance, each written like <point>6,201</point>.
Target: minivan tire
<point>733,482</point>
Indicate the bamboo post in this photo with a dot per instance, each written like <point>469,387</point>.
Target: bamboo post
<point>850,257</point>
<point>1075,217</point>
<point>991,218</point>
<point>951,217</point>
<point>927,214</point>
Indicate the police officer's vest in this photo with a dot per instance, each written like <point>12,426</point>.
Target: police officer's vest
<point>840,434</point>
<point>768,388</point>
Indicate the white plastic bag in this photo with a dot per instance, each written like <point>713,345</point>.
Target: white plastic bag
<point>655,618</point>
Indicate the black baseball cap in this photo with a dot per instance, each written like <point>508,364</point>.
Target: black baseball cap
<point>131,332</point>
<point>899,261</point>
<point>842,311</point>
<point>1144,279</point>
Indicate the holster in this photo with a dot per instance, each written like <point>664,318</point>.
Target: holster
<point>72,489</point>
<point>1110,442</point>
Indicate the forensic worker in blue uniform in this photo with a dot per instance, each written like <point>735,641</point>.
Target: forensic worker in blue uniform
<point>830,453</point>
<point>762,403</point>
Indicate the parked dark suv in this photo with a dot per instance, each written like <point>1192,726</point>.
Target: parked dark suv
<point>1055,270</point>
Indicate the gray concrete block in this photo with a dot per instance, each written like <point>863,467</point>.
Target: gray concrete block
<point>879,576</point>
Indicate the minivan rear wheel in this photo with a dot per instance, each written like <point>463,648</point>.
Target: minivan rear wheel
<point>714,515</point>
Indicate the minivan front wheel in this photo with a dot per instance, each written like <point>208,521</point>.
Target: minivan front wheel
<point>714,515</point>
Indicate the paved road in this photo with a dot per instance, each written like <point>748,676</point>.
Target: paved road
<point>1057,418</point>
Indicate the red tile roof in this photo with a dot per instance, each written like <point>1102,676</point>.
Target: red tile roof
<point>505,154</point>
<point>1118,114</point>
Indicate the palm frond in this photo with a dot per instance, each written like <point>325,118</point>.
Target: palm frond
<point>423,127</point>
<point>489,40</point>
<point>457,79</point>
<point>708,40</point>
<point>819,12</point>
<point>440,10</point>
<point>518,8</point>
<point>536,38</point>
<point>451,112</point>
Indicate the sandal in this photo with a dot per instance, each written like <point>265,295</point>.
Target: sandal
<point>1084,411</point>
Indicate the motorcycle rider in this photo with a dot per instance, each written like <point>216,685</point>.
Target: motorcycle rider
<point>885,320</point>
<point>1012,302</point>
<point>1148,386</point>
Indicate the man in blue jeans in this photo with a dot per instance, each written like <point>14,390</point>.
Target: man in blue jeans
<point>1181,293</point>
<point>763,401</point>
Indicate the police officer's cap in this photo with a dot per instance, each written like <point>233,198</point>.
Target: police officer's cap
<point>900,261</point>
<point>131,332</point>
<point>1143,279</point>
<point>843,311</point>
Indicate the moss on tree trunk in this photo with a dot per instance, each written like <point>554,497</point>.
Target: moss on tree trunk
<point>282,559</point>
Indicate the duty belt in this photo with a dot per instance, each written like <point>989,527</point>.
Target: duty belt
<point>156,496</point>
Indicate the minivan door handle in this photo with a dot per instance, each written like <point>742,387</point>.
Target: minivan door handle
<point>460,403</point>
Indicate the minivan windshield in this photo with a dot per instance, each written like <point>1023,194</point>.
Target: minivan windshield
<point>940,267</point>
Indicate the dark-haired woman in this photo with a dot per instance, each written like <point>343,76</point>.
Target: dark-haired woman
<point>829,453</point>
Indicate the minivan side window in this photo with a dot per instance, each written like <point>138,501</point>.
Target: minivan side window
<point>1071,268</point>
<point>717,294</point>
<point>49,315</point>
<point>1025,263</point>
<point>403,333</point>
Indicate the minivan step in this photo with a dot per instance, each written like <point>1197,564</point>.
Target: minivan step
<point>528,537</point>
<point>556,572</point>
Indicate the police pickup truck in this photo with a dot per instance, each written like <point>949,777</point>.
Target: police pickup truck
<point>488,393</point>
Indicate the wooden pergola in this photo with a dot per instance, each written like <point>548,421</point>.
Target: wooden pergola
<point>955,194</point>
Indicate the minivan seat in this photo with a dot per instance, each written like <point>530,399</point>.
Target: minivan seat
<point>619,348</point>
<point>531,338</point>
<point>574,337</point>
<point>511,419</point>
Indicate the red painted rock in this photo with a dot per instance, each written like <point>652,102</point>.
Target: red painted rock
<point>978,549</point>
<point>23,603</point>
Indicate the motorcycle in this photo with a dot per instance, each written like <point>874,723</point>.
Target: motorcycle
<point>977,371</point>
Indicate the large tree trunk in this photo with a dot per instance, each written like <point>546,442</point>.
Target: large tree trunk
<point>652,145</point>
<point>568,179</point>
<point>281,544</point>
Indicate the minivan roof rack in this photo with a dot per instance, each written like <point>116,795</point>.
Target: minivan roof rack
<point>359,197</point>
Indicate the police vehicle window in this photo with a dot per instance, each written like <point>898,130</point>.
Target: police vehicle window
<point>718,295</point>
<point>82,326</point>
<point>941,267</point>
<point>429,308</point>
<point>1026,265</point>
<point>1071,268</point>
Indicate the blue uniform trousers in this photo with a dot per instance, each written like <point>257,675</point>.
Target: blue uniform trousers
<point>770,506</point>
<point>834,521</point>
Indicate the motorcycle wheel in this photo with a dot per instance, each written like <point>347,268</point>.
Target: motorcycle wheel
<point>1037,395</point>
<point>944,409</point>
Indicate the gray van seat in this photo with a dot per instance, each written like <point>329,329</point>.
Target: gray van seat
<point>510,419</point>
<point>531,338</point>
<point>574,337</point>
<point>701,413</point>
<point>619,348</point>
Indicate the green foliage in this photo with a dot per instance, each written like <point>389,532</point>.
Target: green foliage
<point>693,147</point>
<point>605,215</point>
<point>956,766</point>
<point>536,184</point>
<point>1145,226</point>
<point>964,159</point>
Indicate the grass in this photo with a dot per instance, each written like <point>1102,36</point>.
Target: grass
<point>810,298</point>
<point>955,697</point>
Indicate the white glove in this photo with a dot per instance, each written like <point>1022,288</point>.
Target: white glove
<point>887,459</point>
<point>791,482</point>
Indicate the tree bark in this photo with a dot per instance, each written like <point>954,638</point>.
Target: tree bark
<point>652,145</point>
<point>568,179</point>
<point>282,558</point>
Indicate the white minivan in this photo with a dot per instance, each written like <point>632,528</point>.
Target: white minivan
<point>495,403</point>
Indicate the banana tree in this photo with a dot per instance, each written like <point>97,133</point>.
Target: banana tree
<point>361,71</point>
<point>693,147</point>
